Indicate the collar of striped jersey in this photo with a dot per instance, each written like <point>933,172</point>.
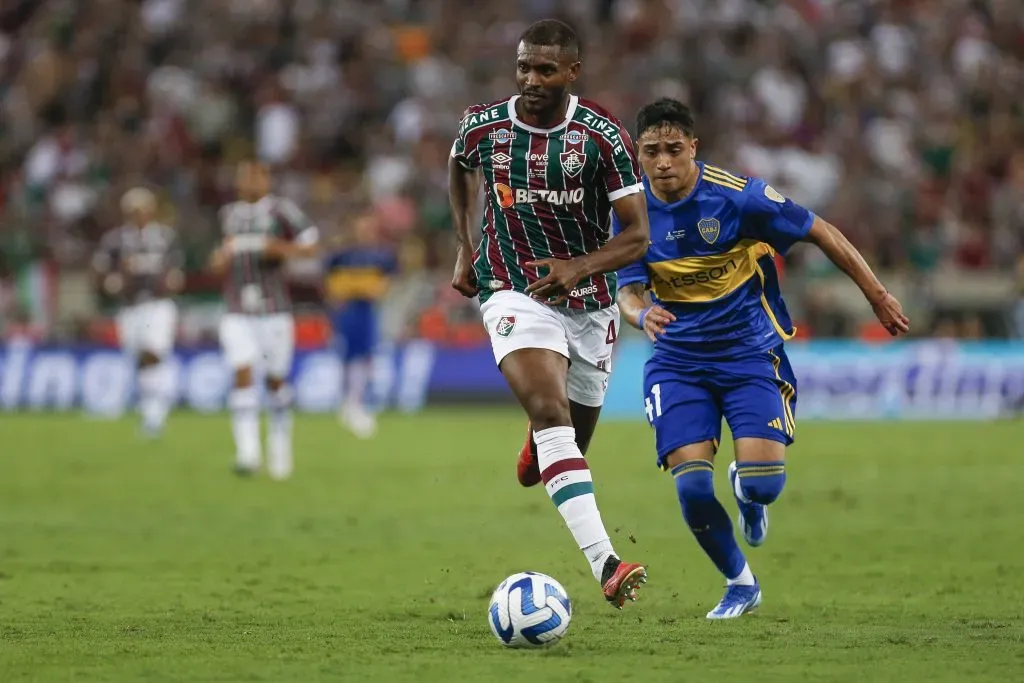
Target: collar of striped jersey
<point>263,202</point>
<point>569,111</point>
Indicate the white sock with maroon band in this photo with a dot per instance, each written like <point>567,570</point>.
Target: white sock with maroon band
<point>279,433</point>
<point>245,423</point>
<point>568,482</point>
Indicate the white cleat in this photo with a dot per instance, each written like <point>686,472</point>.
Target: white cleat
<point>737,601</point>
<point>360,422</point>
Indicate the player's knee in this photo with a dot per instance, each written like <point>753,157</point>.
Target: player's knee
<point>548,411</point>
<point>695,481</point>
<point>147,359</point>
<point>275,383</point>
<point>762,482</point>
<point>243,377</point>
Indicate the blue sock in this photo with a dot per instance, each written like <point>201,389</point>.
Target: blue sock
<point>706,517</point>
<point>760,482</point>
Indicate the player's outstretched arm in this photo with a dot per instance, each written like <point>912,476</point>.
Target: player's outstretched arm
<point>629,245</point>
<point>626,247</point>
<point>219,260</point>
<point>636,311</point>
<point>834,244</point>
<point>463,184</point>
<point>103,266</point>
<point>292,249</point>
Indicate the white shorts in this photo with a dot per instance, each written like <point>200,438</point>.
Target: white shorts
<point>148,326</point>
<point>515,321</point>
<point>251,340</point>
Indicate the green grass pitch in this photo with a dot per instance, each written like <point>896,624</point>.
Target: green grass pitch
<point>895,554</point>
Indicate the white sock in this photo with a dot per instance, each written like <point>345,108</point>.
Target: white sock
<point>245,423</point>
<point>279,433</point>
<point>154,396</point>
<point>746,577</point>
<point>568,482</point>
<point>357,374</point>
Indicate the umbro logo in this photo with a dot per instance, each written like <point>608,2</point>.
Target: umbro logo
<point>501,158</point>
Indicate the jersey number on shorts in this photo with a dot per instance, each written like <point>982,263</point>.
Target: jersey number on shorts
<point>653,409</point>
<point>612,334</point>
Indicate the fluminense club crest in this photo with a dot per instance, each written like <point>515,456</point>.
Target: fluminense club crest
<point>709,229</point>
<point>572,162</point>
<point>506,324</point>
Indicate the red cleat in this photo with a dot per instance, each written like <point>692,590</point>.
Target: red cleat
<point>527,468</point>
<point>621,580</point>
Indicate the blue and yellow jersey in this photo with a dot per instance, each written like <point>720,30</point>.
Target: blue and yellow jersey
<point>711,262</point>
<point>358,274</point>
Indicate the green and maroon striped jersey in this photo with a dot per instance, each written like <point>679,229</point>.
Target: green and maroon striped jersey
<point>143,257</point>
<point>256,284</point>
<point>548,192</point>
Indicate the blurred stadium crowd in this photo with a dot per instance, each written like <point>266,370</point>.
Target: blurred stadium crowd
<point>899,120</point>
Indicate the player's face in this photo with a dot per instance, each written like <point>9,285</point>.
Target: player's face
<point>666,154</point>
<point>543,73</point>
<point>365,229</point>
<point>139,216</point>
<point>252,181</point>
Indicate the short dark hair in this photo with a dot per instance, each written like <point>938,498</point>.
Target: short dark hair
<point>665,112</point>
<point>552,32</point>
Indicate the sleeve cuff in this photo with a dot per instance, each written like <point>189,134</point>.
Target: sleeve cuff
<point>625,191</point>
<point>626,280</point>
<point>808,223</point>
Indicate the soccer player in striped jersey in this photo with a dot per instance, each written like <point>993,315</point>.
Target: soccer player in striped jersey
<point>260,232</point>
<point>140,264</point>
<point>553,167</point>
<point>718,323</point>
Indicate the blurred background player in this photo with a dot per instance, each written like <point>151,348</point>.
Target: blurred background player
<point>260,233</point>
<point>719,323</point>
<point>553,166</point>
<point>139,265</point>
<point>357,277</point>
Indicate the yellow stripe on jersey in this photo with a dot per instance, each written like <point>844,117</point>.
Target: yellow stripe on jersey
<point>724,178</point>
<point>699,279</point>
<point>788,393</point>
<point>355,283</point>
<point>768,309</point>
<point>722,172</point>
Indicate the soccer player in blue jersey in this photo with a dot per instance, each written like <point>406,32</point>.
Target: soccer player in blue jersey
<point>357,278</point>
<point>718,323</point>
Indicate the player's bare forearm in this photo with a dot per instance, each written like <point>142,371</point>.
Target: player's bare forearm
<point>632,301</point>
<point>886,307</point>
<point>845,256</point>
<point>219,261</point>
<point>294,250</point>
<point>629,245</point>
<point>463,185</point>
<point>174,280</point>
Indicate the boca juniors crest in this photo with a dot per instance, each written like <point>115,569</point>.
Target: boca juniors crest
<point>709,229</point>
<point>506,324</point>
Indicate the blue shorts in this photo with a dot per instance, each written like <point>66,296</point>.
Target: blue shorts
<point>355,330</point>
<point>685,401</point>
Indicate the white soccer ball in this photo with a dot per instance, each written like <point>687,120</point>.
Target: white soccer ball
<point>529,610</point>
